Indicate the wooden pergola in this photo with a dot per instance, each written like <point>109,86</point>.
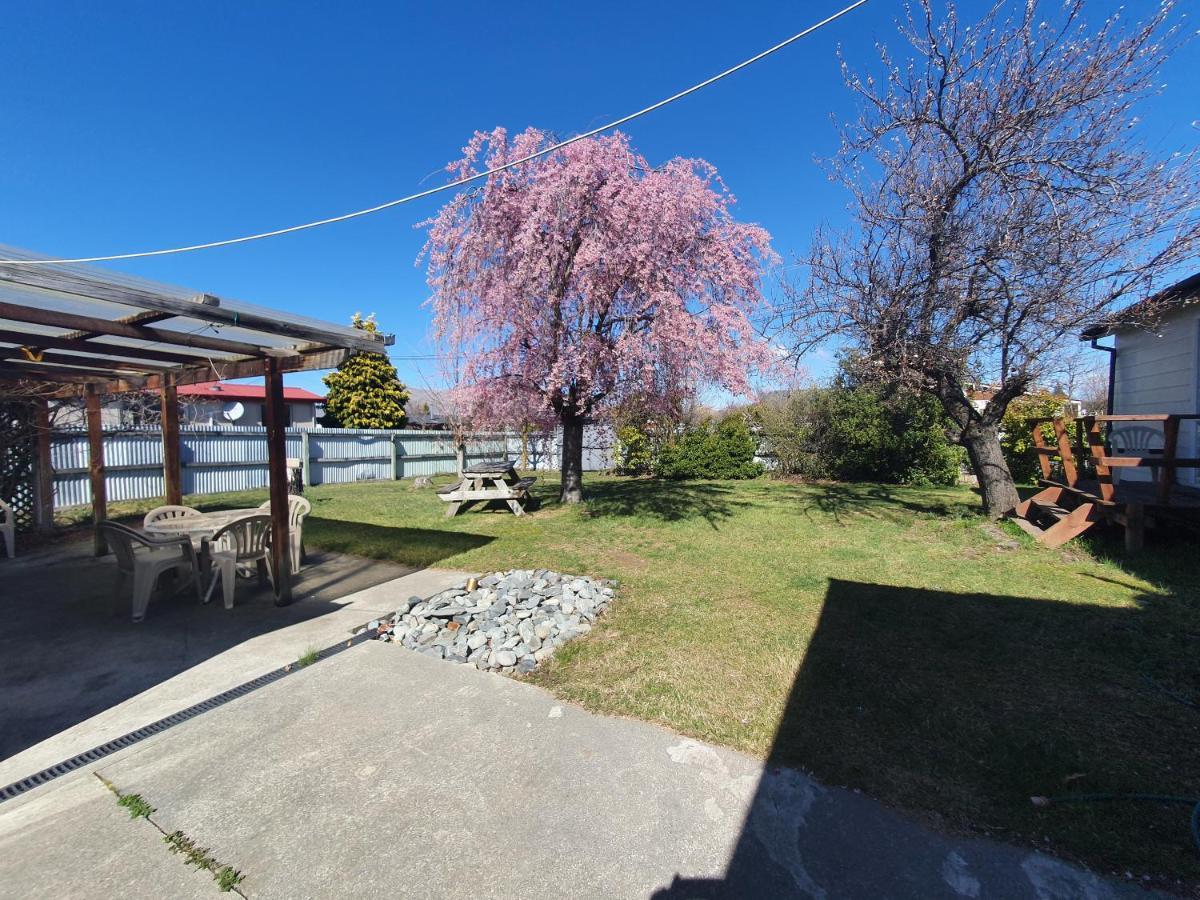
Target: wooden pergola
<point>87,332</point>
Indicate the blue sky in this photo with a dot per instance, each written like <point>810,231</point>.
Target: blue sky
<point>132,126</point>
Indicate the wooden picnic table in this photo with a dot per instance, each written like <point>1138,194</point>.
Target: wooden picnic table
<point>494,479</point>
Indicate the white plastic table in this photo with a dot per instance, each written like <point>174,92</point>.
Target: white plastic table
<point>200,529</point>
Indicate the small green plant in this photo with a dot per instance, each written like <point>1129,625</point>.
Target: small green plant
<point>137,806</point>
<point>226,877</point>
<point>308,657</point>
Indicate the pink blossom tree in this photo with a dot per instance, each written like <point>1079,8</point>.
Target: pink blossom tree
<point>587,280</point>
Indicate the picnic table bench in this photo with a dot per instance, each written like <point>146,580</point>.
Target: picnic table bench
<point>494,479</point>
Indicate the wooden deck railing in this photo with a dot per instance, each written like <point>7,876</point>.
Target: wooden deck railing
<point>1101,457</point>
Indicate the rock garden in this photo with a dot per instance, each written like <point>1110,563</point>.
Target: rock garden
<point>506,621</point>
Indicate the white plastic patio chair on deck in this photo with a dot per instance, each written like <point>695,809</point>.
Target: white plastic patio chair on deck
<point>241,542</point>
<point>8,529</point>
<point>298,510</point>
<point>159,513</point>
<point>145,559</point>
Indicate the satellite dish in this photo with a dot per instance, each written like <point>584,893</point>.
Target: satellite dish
<point>232,411</point>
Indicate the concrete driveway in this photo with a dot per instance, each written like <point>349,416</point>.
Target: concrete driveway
<point>383,773</point>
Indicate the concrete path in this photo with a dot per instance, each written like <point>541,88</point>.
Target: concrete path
<point>383,773</point>
<point>75,676</point>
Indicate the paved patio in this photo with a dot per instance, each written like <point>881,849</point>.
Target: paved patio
<point>77,672</point>
<point>380,772</point>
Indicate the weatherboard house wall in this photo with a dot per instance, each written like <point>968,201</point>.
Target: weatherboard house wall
<point>1158,371</point>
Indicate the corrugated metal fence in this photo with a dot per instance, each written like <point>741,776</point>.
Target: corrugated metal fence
<point>227,458</point>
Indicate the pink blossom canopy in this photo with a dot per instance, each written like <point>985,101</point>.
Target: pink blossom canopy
<point>586,279</point>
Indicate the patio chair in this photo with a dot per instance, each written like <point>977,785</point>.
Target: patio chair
<point>238,544</point>
<point>298,510</point>
<point>145,559</point>
<point>8,529</point>
<point>159,513</point>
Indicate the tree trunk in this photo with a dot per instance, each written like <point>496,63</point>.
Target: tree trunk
<point>987,460</point>
<point>572,460</point>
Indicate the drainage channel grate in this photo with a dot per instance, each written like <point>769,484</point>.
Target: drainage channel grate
<point>128,740</point>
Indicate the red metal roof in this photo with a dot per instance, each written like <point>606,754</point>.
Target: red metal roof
<point>224,390</point>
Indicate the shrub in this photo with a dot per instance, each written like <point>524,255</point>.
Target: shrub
<point>635,453</point>
<point>859,433</point>
<point>785,424</point>
<point>1016,432</point>
<point>722,450</point>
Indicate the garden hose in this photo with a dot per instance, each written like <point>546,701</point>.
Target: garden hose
<point>1194,802</point>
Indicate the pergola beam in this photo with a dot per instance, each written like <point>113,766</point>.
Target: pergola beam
<point>205,307</point>
<point>141,318</point>
<point>58,342</point>
<point>88,362</point>
<point>56,319</point>
<point>64,374</point>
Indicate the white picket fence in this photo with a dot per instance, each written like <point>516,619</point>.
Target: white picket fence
<point>216,459</point>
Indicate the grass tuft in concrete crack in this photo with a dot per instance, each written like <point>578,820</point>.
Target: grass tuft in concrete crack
<point>308,657</point>
<point>135,803</point>
<point>226,877</point>
<point>138,807</point>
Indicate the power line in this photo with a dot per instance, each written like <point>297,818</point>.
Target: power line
<point>461,181</point>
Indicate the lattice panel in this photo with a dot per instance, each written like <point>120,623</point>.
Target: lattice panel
<point>17,453</point>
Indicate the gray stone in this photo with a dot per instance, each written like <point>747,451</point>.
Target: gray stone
<point>527,664</point>
<point>504,658</point>
<point>477,640</point>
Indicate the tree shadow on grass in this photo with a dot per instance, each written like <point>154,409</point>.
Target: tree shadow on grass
<point>959,708</point>
<point>842,501</point>
<point>418,547</point>
<point>668,501</point>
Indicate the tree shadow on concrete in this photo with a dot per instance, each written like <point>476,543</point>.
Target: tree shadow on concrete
<point>667,501</point>
<point>959,708</point>
<point>70,651</point>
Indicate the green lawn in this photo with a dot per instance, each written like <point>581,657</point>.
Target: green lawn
<point>882,638</point>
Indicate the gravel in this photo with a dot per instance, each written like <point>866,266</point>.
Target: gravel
<point>506,622</point>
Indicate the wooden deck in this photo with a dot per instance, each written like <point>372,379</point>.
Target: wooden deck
<point>1086,491</point>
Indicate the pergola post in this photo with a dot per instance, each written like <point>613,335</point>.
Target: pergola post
<point>43,510</point>
<point>276,422</point>
<point>172,474</point>
<point>96,467</point>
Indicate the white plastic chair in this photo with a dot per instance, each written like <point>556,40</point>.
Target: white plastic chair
<point>239,543</point>
<point>8,529</point>
<point>159,513</point>
<point>145,559</point>
<point>298,510</point>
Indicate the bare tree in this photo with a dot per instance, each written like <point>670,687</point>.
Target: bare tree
<point>1001,201</point>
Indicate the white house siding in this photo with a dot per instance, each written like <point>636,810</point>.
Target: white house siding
<point>209,412</point>
<point>1159,373</point>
